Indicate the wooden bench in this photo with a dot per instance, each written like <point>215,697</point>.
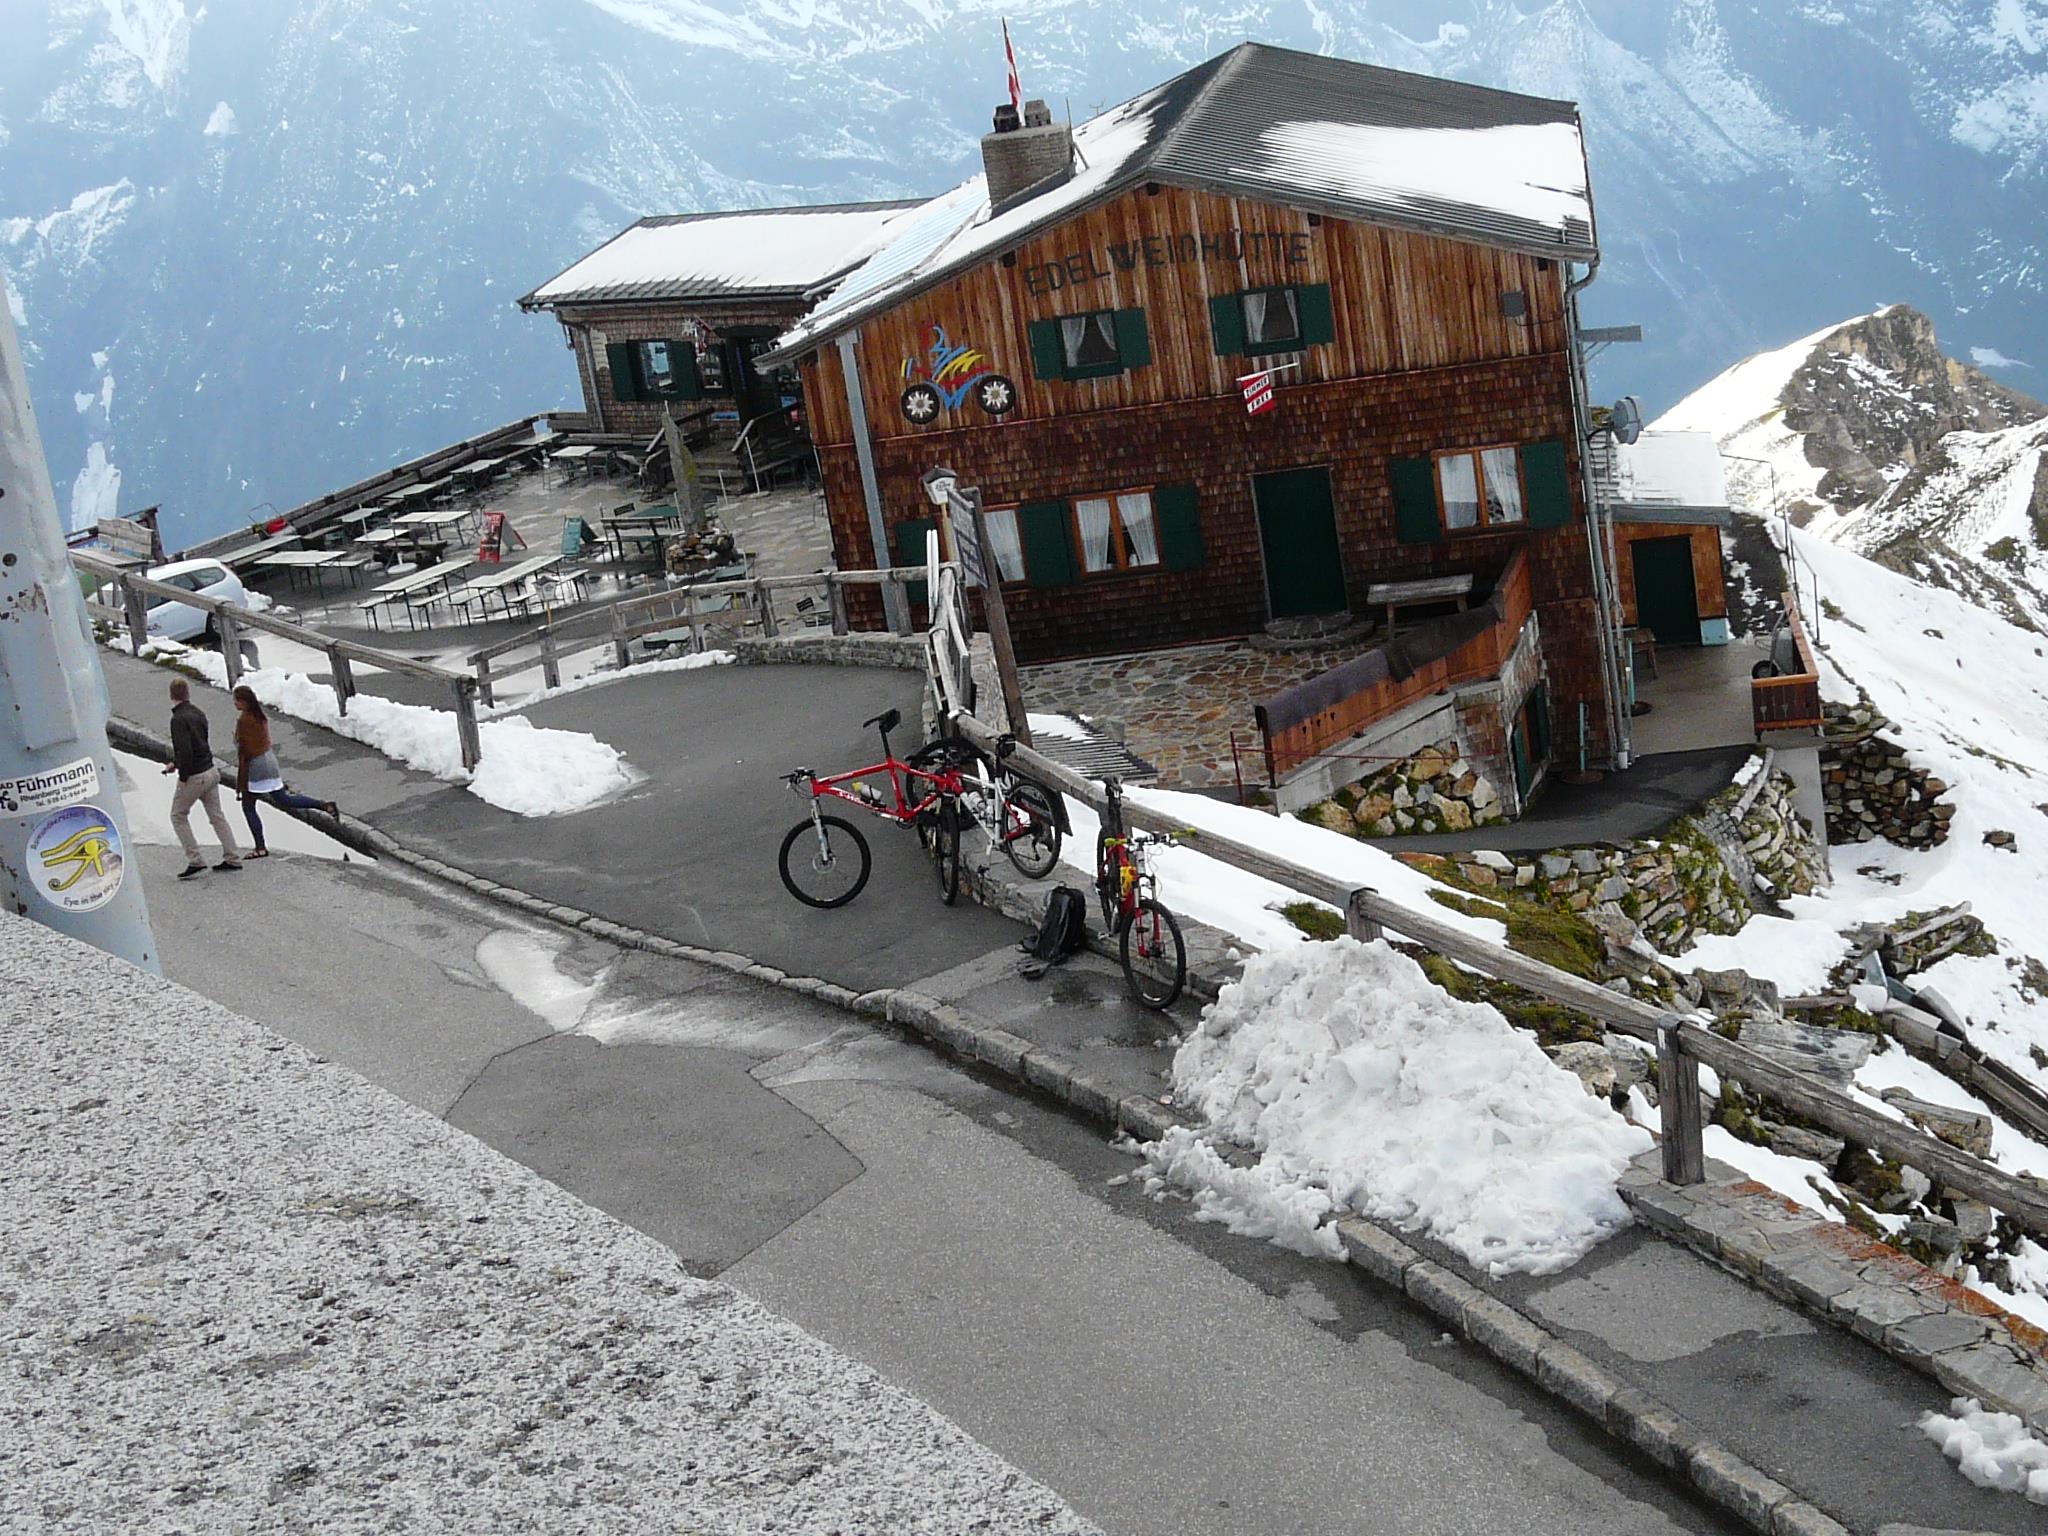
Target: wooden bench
<point>1396,595</point>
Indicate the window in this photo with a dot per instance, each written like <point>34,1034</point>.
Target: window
<point>711,368</point>
<point>1479,488</point>
<point>1116,532</point>
<point>657,365</point>
<point>1005,547</point>
<point>1088,344</point>
<point>1272,319</point>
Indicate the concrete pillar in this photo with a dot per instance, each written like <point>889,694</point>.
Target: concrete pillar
<point>1798,758</point>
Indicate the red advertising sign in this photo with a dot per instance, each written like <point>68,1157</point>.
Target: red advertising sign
<point>1258,392</point>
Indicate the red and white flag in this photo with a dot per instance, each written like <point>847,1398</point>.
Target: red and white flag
<point>1258,391</point>
<point>1016,85</point>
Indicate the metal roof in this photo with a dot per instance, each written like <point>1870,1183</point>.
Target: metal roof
<point>1353,141</point>
<point>751,253</point>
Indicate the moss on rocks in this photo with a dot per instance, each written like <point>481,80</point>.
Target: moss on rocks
<point>1314,919</point>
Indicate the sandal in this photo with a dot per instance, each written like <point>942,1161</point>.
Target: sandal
<point>259,853</point>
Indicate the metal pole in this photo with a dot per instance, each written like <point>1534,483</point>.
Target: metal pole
<point>895,601</point>
<point>65,855</point>
<point>969,500</point>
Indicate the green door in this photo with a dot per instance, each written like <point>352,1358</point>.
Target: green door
<point>1298,532</point>
<point>1667,604</point>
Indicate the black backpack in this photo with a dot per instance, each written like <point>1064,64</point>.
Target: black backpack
<point>1062,932</point>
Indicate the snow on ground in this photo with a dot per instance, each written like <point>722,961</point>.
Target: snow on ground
<point>1363,1085</point>
<point>524,769</point>
<point>1209,891</point>
<point>146,797</point>
<point>1993,1450</point>
<point>525,965</point>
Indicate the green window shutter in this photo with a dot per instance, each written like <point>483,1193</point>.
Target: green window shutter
<point>1133,341</point>
<point>1180,527</point>
<point>1415,515</point>
<point>910,541</point>
<point>1312,303</point>
<point>1226,322</point>
<point>1048,548</point>
<point>683,358</point>
<point>1048,357</point>
<point>1548,485</point>
<point>1539,722</point>
<point>625,372</point>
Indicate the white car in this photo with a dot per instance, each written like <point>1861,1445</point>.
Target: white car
<point>181,621</point>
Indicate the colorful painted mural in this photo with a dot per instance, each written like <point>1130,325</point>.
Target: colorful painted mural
<point>946,375</point>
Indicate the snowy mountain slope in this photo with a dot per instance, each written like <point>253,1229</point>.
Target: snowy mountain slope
<point>303,221</point>
<point>1865,434</point>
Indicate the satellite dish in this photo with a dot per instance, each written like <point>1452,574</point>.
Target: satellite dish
<point>1625,419</point>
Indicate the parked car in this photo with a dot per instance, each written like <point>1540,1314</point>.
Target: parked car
<point>181,621</point>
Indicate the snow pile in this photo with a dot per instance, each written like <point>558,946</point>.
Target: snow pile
<point>1993,1450</point>
<point>1260,1201</point>
<point>1353,1075</point>
<point>524,769</point>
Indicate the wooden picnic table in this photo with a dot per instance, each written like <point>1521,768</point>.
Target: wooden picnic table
<point>250,553</point>
<point>363,516</point>
<point>405,589</point>
<point>642,527</point>
<point>500,584</point>
<point>434,517</point>
<point>476,471</point>
<point>1396,595</point>
<point>315,562</point>
<point>587,456</point>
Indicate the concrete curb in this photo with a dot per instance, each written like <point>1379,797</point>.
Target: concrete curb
<point>1555,1367</point>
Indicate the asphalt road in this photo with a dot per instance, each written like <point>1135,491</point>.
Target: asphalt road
<point>1164,1376</point>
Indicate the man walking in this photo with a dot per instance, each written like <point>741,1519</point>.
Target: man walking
<point>198,783</point>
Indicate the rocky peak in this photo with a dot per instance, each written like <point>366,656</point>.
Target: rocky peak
<point>1877,395</point>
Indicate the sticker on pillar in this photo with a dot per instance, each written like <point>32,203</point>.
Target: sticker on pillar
<point>74,857</point>
<point>947,375</point>
<point>51,790</point>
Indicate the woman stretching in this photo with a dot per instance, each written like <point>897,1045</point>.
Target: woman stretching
<point>258,776</point>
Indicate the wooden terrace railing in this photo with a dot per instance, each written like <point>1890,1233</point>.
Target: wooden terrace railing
<point>1314,715</point>
<point>1790,701</point>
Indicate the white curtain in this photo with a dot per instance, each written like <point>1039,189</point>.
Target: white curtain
<point>1141,537</point>
<point>1458,479</point>
<point>1269,316</point>
<point>1093,516</point>
<point>1503,485</point>
<point>1089,339</point>
<point>1004,544</point>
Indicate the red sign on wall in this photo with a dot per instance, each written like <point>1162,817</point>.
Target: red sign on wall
<point>1258,392</point>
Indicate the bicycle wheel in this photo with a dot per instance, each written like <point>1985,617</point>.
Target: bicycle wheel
<point>1155,959</point>
<point>1109,861</point>
<point>942,839</point>
<point>825,865</point>
<point>1031,836</point>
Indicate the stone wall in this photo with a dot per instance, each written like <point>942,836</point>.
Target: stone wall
<point>1783,851</point>
<point>1436,790</point>
<point>1872,788</point>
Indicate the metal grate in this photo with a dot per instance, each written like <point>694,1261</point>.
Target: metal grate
<point>1092,754</point>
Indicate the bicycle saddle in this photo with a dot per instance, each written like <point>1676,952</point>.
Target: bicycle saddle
<point>887,720</point>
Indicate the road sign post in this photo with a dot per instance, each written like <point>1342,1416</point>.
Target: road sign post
<point>65,855</point>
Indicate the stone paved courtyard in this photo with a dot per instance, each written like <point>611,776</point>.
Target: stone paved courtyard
<point>1177,708</point>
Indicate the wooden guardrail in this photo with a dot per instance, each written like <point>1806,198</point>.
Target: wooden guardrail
<point>1683,1046</point>
<point>703,608</point>
<point>131,591</point>
<point>1790,701</point>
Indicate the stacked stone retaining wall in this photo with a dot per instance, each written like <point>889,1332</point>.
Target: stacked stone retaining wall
<point>1871,787</point>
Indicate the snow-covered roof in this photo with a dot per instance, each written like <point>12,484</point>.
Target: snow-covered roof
<point>1351,140</point>
<point>1677,469</point>
<point>750,252</point>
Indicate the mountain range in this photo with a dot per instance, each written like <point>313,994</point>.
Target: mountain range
<point>258,248</point>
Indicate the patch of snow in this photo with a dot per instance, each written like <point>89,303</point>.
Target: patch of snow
<point>155,34</point>
<point>1533,171</point>
<point>1354,1076</point>
<point>1259,1201</point>
<point>1992,1450</point>
<point>1057,726</point>
<point>1679,468</point>
<point>524,769</point>
<point>220,122</point>
<point>1792,1177</point>
<point>95,489</point>
<point>1991,357</point>
<point>572,683</point>
<point>782,249</point>
<point>526,968</point>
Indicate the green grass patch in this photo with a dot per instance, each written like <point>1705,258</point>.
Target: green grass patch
<point>1550,934</point>
<point>1314,919</point>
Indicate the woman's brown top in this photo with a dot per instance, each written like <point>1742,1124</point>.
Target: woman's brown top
<point>252,736</point>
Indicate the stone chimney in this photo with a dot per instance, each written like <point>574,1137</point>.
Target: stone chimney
<point>1025,158</point>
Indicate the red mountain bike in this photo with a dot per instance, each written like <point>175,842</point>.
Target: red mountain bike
<point>1155,958</point>
<point>825,860</point>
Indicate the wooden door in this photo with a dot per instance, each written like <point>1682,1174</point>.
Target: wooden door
<point>1298,533</point>
<point>1667,603</point>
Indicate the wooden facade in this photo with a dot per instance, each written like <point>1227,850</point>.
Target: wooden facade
<point>1710,584</point>
<point>732,329</point>
<point>1413,345</point>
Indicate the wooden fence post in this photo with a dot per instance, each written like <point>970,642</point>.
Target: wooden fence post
<point>483,681</point>
<point>230,634</point>
<point>766,599</point>
<point>835,596</point>
<point>690,612</point>
<point>622,645</point>
<point>344,678</point>
<point>1678,1104</point>
<point>1356,923</point>
<point>138,618</point>
<point>465,722</point>
<point>904,627</point>
<point>550,664</point>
